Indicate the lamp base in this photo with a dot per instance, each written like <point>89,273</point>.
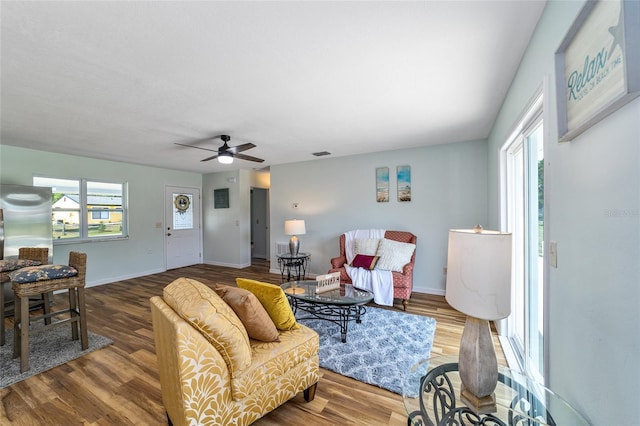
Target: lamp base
<point>478,366</point>
<point>480,405</point>
<point>294,245</point>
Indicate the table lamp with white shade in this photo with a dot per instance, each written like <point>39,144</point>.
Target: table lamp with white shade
<point>294,227</point>
<point>479,285</point>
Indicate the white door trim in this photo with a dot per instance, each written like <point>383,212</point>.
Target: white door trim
<point>168,220</point>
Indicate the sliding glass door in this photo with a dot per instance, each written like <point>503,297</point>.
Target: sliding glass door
<point>523,211</point>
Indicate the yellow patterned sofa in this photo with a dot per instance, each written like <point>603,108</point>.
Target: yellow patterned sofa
<point>241,380</point>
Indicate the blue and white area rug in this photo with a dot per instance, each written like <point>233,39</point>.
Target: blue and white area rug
<point>379,351</point>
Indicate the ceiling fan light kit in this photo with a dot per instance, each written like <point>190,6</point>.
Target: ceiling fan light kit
<point>225,158</point>
<point>227,153</point>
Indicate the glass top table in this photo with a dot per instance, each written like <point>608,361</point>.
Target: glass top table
<point>431,391</point>
<point>339,306</point>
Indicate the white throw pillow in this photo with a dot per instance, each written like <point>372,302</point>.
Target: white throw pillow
<point>366,246</point>
<point>394,255</point>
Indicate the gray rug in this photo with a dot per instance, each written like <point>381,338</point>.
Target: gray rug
<point>47,349</point>
<point>379,351</point>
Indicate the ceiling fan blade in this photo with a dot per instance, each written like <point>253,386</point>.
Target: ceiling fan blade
<point>225,149</point>
<point>248,158</point>
<point>196,147</point>
<point>240,148</point>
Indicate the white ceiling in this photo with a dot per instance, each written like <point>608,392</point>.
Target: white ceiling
<point>125,81</point>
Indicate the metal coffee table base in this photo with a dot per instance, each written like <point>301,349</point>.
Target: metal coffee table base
<point>337,314</point>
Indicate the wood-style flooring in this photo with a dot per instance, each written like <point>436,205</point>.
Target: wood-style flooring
<point>119,385</point>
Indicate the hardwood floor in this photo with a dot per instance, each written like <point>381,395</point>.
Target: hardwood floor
<point>119,385</point>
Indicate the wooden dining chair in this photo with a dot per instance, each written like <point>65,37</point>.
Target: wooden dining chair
<point>38,280</point>
<point>27,256</point>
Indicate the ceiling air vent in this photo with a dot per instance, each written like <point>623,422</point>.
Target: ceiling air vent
<point>321,153</point>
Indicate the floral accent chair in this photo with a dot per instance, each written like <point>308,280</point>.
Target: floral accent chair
<point>402,281</point>
<point>211,371</point>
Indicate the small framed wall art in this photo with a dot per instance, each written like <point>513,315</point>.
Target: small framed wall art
<point>404,183</point>
<point>382,184</point>
<point>597,65</point>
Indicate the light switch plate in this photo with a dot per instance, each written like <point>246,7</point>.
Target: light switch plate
<point>553,254</point>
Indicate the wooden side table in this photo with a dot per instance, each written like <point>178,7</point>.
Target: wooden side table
<point>293,266</point>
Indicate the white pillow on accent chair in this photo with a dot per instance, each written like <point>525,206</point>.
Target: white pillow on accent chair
<point>366,246</point>
<point>393,255</point>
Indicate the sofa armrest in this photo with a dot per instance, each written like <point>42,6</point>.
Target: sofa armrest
<point>338,262</point>
<point>406,270</point>
<point>179,347</point>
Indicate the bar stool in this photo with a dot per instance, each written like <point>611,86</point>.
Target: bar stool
<point>37,280</point>
<point>27,256</point>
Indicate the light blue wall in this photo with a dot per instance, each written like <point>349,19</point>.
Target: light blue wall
<point>143,252</point>
<point>449,187</point>
<point>592,199</point>
<point>227,231</point>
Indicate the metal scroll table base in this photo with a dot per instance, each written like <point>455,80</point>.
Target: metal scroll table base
<point>436,389</point>
<point>337,314</point>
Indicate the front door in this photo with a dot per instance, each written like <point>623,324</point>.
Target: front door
<point>183,237</point>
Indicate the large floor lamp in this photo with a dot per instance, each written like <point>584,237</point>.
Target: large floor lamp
<point>479,285</point>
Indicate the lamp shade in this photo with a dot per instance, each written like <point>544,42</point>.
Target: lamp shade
<point>479,273</point>
<point>294,227</point>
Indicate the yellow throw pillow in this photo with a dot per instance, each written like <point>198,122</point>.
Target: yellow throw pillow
<point>250,311</point>
<point>201,307</point>
<point>274,301</point>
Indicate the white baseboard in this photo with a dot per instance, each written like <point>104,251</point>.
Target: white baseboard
<point>274,271</point>
<point>228,265</point>
<point>428,290</point>
<point>122,277</point>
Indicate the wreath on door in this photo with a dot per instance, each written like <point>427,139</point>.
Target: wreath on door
<point>182,203</point>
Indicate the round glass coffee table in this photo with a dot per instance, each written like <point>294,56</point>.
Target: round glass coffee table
<point>338,306</point>
<point>431,391</point>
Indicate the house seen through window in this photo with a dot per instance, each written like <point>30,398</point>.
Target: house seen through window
<point>84,209</point>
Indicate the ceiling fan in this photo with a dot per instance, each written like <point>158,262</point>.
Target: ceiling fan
<point>226,154</point>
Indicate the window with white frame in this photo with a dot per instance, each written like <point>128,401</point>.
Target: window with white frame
<point>85,209</point>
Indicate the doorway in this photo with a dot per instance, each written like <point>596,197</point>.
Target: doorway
<point>182,230</point>
<point>259,223</point>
